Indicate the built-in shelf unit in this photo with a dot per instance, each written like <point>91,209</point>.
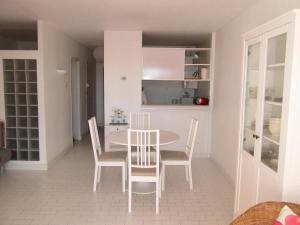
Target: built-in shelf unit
<point>21,108</point>
<point>197,64</point>
<point>269,155</point>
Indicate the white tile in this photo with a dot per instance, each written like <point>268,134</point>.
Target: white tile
<point>63,196</point>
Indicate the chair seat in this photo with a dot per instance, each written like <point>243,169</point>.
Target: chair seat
<point>117,156</point>
<point>145,172</point>
<point>167,155</point>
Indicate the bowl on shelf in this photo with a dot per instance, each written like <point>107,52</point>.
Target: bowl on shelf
<point>274,126</point>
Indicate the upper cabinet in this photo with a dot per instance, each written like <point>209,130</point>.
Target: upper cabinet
<point>177,64</point>
<point>269,156</point>
<point>163,63</point>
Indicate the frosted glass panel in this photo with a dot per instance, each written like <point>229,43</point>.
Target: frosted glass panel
<point>274,84</point>
<point>251,98</point>
<point>276,49</point>
<point>270,154</point>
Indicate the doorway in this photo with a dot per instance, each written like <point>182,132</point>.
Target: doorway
<point>75,94</point>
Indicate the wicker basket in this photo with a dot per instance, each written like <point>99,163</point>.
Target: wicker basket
<point>264,213</point>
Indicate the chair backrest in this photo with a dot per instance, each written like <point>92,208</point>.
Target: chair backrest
<point>143,140</point>
<point>191,137</point>
<point>95,138</point>
<point>139,120</point>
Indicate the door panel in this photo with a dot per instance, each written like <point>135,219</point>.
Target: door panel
<point>273,97</point>
<point>269,186</point>
<point>248,157</point>
<point>248,184</point>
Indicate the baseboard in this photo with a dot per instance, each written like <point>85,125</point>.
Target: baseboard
<point>59,156</point>
<point>201,155</point>
<point>25,165</point>
<point>228,178</point>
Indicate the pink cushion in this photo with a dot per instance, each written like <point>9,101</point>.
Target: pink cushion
<point>287,217</point>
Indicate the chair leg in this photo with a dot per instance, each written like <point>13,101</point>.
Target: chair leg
<point>191,179</point>
<point>123,178</point>
<point>99,174</point>
<point>160,179</point>
<point>129,195</point>
<point>157,197</point>
<point>187,173</point>
<point>95,178</point>
<point>126,172</point>
<point>163,177</point>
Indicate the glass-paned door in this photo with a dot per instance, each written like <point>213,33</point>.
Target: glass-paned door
<point>251,98</point>
<point>273,92</point>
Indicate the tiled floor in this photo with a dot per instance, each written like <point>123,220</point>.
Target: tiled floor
<point>63,196</point>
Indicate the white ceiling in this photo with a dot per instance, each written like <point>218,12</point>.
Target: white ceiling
<point>85,20</point>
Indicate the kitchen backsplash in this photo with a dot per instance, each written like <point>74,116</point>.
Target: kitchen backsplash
<point>158,92</point>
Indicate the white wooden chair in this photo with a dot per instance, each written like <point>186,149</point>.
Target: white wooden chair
<point>116,158</point>
<point>181,158</point>
<point>139,120</point>
<point>141,166</point>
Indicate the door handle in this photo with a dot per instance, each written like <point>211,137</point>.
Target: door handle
<point>255,136</point>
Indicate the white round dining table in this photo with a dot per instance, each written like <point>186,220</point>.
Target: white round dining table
<point>121,138</point>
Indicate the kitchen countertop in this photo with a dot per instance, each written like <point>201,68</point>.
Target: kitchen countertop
<point>177,107</point>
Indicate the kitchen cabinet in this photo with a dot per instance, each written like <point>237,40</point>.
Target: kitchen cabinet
<point>163,63</point>
<point>269,146</point>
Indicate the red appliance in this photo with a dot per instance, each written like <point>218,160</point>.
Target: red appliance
<point>202,101</point>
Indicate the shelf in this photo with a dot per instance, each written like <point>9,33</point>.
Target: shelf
<point>273,103</point>
<point>272,139</point>
<point>191,64</point>
<point>19,64</point>
<point>276,66</point>
<point>20,82</point>
<point>19,70</point>
<point>20,76</point>
<point>253,68</point>
<point>197,49</point>
<point>195,79</point>
<point>21,108</point>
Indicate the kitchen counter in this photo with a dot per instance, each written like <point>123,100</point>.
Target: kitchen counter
<point>177,107</point>
<point>177,118</point>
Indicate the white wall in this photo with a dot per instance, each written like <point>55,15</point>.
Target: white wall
<point>228,78</point>
<point>83,95</point>
<point>76,99</point>
<point>122,58</point>
<point>56,50</point>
